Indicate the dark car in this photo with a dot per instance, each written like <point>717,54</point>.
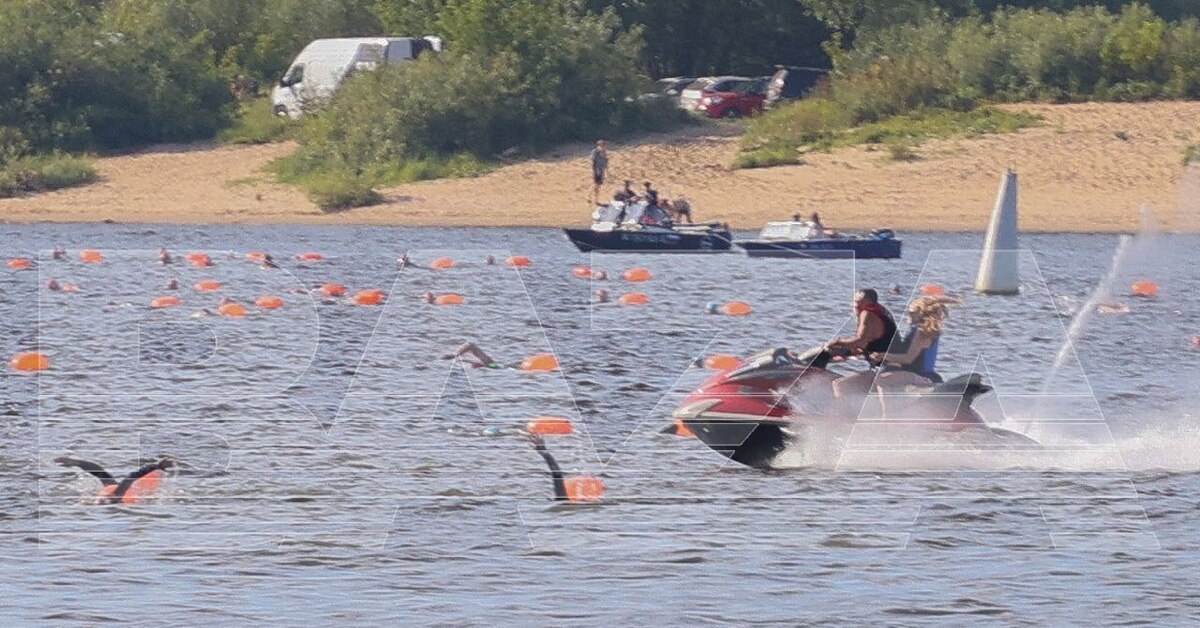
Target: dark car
<point>791,82</point>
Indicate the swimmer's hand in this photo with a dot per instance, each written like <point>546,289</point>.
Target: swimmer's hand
<point>536,440</point>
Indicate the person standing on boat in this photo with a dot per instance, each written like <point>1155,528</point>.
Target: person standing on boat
<point>651,195</point>
<point>815,220</point>
<point>599,168</point>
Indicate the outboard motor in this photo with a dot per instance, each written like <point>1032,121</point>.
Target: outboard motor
<point>883,234</point>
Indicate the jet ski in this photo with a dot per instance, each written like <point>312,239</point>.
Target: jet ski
<point>753,413</point>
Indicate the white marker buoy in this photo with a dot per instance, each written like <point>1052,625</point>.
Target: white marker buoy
<point>999,268</point>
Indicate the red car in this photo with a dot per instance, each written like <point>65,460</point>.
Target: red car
<point>725,96</point>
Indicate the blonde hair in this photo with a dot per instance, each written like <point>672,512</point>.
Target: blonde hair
<point>929,313</point>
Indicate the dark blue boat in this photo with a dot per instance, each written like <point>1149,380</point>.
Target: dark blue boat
<point>805,240</point>
<point>638,227</point>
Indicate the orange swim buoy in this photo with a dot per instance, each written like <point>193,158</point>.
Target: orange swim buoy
<point>29,362</point>
<point>932,290</point>
<point>19,263</point>
<point>518,261</point>
<point>310,257</point>
<point>91,256</point>
<point>370,296</point>
<point>1196,341</point>
<point>70,287</point>
<point>449,299</point>
<point>549,426</point>
<point>633,298</point>
<point>581,272</point>
<point>232,310</point>
<point>207,285</point>
<point>584,489</point>
<point>1144,288</point>
<point>199,260</point>
<point>269,302</point>
<point>636,275</point>
<point>441,263</point>
<point>736,308</point>
<point>167,301</point>
<point>722,362</point>
<point>539,362</point>
<point>332,290</point>
<point>141,487</point>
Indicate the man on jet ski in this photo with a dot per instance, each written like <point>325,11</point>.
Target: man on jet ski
<point>874,335</point>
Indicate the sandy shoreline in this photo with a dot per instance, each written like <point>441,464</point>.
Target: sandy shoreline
<point>1089,168</point>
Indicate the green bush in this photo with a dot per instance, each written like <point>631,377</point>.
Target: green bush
<point>42,173</point>
<point>1191,155</point>
<point>256,123</point>
<point>334,192</point>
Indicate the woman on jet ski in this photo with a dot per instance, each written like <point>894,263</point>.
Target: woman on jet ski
<point>911,359</point>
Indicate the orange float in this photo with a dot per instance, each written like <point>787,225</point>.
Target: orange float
<point>722,362</point>
<point>584,489</point>
<point>199,260</point>
<point>310,257</point>
<point>932,290</point>
<point>167,301</point>
<point>368,297</point>
<point>29,362</point>
<point>636,275</point>
<point>581,272</point>
<point>441,263</point>
<point>449,299</point>
<point>518,261</point>
<point>549,426</point>
<point>232,310</point>
<point>257,257</point>
<point>141,487</point>
<point>19,263</point>
<point>269,302</point>
<point>332,290</point>
<point>91,256</point>
<point>633,298</point>
<point>736,308</point>
<point>1196,341</point>
<point>539,362</point>
<point>1144,288</point>
<point>70,287</point>
<point>207,285</point>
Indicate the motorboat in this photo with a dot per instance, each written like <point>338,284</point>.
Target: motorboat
<point>809,240</point>
<point>629,227</point>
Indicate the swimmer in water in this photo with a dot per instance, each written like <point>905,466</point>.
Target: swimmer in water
<point>58,254</point>
<point>481,359</point>
<point>164,257</point>
<point>490,260</point>
<point>599,275</point>
<point>112,491</point>
<point>405,261</point>
<point>173,284</point>
<point>53,285</point>
<point>556,472</point>
<point>602,296</point>
<point>268,261</point>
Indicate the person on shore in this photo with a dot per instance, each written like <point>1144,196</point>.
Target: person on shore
<point>876,329</point>
<point>599,168</point>
<point>128,489</point>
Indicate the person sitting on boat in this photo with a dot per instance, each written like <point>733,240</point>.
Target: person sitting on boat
<point>815,221</point>
<point>874,335</point>
<point>655,216</point>
<point>679,209</point>
<point>911,359</point>
<point>625,194</point>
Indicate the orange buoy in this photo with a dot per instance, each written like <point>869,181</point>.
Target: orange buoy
<point>1144,288</point>
<point>19,263</point>
<point>70,287</point>
<point>722,362</point>
<point>636,275</point>
<point>518,261</point>
<point>30,361</point>
<point>584,489</point>
<point>548,425</point>
<point>310,257</point>
<point>441,263</point>
<point>1196,341</point>
<point>139,488</point>
<point>736,308</point>
<point>257,257</point>
<point>167,301</point>
<point>633,298</point>
<point>207,285</point>
<point>449,299</point>
<point>932,290</point>
<point>581,272</point>
<point>332,290</point>
<point>199,260</point>
<point>369,296</point>
<point>269,302</point>
<point>232,310</point>
<point>539,362</point>
<point>682,430</point>
<point>91,256</point>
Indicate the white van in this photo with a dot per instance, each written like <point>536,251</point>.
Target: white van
<point>321,67</point>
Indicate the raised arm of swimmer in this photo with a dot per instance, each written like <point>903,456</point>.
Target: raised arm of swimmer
<point>556,473</point>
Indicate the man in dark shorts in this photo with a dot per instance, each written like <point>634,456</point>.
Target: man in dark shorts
<point>599,168</point>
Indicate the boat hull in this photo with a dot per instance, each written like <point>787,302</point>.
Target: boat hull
<point>823,249</point>
<point>647,241</point>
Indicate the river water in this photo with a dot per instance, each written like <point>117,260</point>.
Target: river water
<point>337,468</point>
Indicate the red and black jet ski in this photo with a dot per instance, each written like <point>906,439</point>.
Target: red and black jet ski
<point>750,414</point>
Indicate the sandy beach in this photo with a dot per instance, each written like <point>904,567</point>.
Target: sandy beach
<point>1088,168</point>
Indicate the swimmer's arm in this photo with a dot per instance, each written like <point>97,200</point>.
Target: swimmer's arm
<point>556,473</point>
<point>91,468</point>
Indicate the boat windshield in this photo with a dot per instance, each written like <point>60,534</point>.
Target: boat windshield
<point>791,231</point>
